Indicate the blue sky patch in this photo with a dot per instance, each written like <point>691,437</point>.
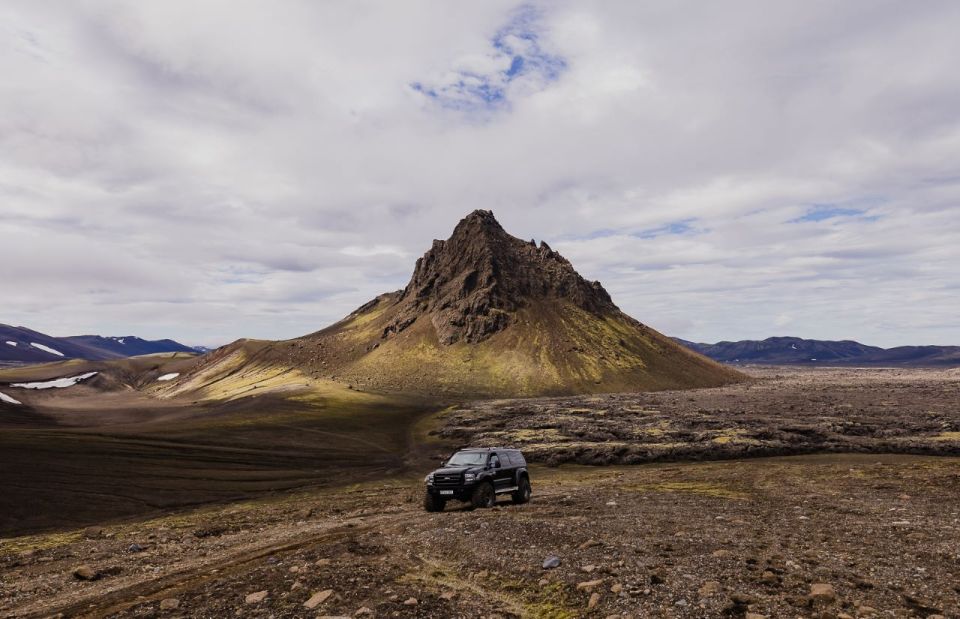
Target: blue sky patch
<point>822,212</point>
<point>684,226</point>
<point>674,228</point>
<point>515,58</point>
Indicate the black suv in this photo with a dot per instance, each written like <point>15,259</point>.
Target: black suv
<point>478,476</point>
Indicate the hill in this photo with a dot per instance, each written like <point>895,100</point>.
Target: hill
<point>23,345</point>
<point>798,351</point>
<point>484,314</point>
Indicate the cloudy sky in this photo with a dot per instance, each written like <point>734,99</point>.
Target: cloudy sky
<point>222,169</point>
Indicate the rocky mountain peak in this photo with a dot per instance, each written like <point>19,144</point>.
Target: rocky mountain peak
<point>478,222</point>
<point>471,285</point>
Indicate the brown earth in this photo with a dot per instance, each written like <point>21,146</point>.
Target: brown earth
<point>55,477</point>
<point>694,539</point>
<point>691,540</point>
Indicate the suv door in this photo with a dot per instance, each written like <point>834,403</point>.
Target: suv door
<point>502,474</point>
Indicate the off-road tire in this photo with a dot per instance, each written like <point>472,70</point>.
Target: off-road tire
<point>522,495</point>
<point>483,496</point>
<point>433,503</point>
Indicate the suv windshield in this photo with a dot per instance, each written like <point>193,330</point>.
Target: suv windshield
<point>467,458</point>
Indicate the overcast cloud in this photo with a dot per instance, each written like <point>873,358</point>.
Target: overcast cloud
<point>223,169</point>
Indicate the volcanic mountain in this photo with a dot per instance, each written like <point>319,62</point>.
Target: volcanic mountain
<point>485,314</point>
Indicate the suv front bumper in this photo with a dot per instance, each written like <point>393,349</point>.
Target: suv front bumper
<point>459,493</point>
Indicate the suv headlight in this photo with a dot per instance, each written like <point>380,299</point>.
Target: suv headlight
<point>429,479</point>
<point>469,478</point>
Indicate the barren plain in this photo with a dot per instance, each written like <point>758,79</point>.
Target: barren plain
<point>783,411</point>
<point>702,509</point>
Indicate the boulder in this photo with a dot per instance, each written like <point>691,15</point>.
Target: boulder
<point>85,572</point>
<point>318,598</point>
<point>594,600</point>
<point>589,585</point>
<point>711,587</point>
<point>822,593</point>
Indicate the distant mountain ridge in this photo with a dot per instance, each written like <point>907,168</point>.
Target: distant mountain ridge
<point>799,351</point>
<point>23,345</point>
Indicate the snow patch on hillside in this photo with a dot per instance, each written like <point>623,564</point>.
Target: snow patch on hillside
<point>5,398</point>
<point>9,343</point>
<point>47,349</point>
<point>167,377</point>
<point>57,383</point>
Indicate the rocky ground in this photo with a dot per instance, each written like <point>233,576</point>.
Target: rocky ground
<point>783,411</point>
<point>827,535</point>
<point>812,536</point>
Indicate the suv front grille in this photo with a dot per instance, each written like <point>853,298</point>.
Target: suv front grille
<point>446,480</point>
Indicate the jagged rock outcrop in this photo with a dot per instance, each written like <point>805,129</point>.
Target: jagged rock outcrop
<point>470,285</point>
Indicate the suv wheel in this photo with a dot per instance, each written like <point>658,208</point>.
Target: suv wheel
<point>483,496</point>
<point>433,503</point>
<point>522,495</point>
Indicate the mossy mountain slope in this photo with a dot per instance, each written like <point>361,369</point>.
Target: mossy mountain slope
<point>487,315</point>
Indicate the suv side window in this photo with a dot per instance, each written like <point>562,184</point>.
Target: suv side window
<point>507,459</point>
<point>517,459</point>
<point>494,461</point>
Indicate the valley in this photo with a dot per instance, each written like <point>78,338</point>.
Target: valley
<point>112,452</point>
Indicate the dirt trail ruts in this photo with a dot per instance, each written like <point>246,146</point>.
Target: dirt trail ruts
<point>197,573</point>
<point>124,593</point>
